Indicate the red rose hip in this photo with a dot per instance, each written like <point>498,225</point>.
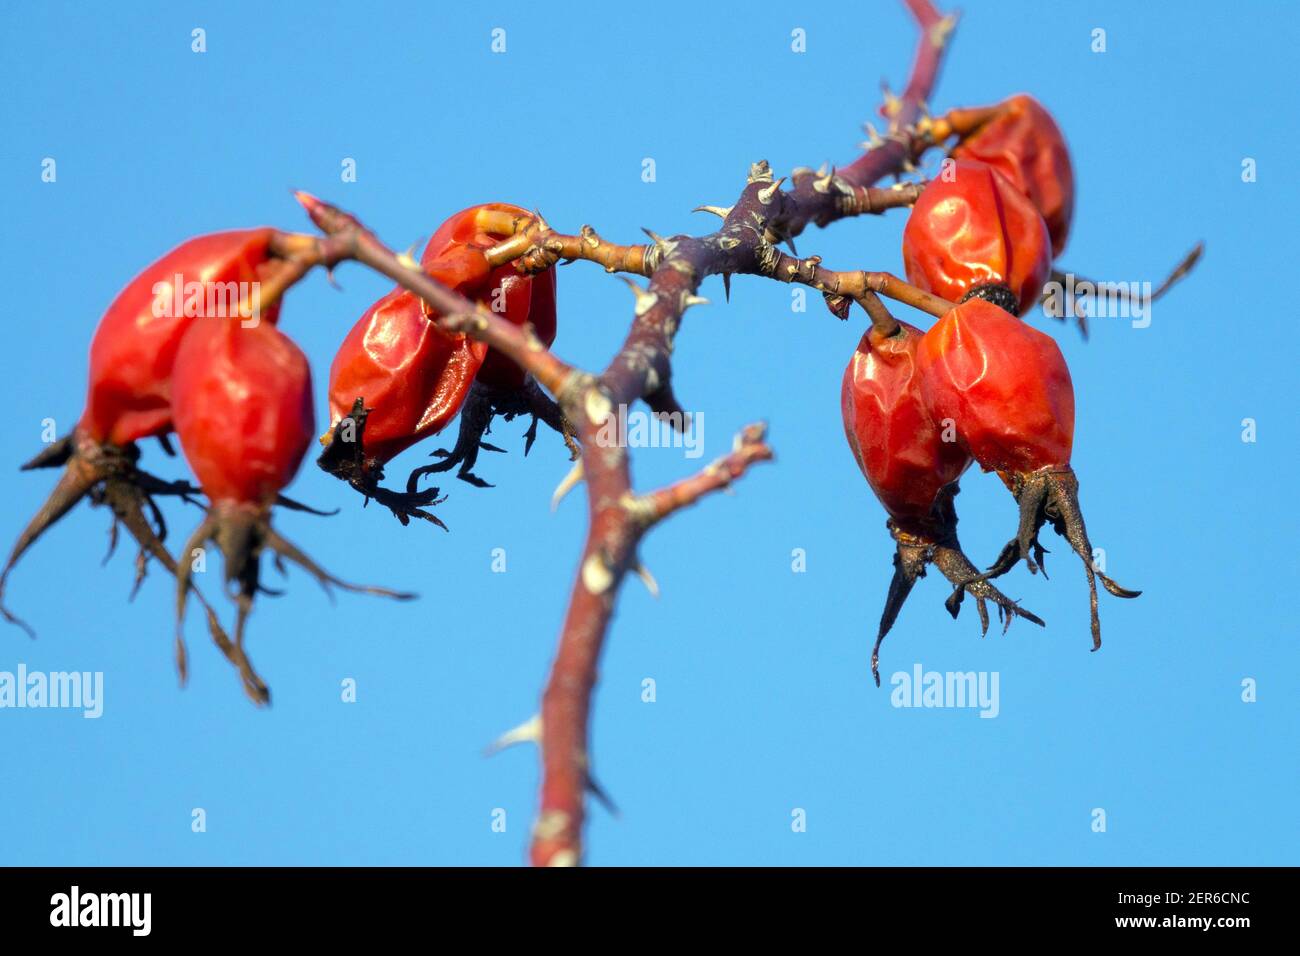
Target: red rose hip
<point>913,472</point>
<point>1006,388</point>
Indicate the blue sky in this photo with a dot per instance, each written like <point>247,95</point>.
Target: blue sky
<point>764,698</point>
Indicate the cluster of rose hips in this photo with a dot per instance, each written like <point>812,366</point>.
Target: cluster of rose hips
<point>981,385</point>
<point>237,394</point>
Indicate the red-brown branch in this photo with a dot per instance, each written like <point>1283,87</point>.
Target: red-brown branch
<point>619,519</point>
<point>763,215</point>
<point>347,238</point>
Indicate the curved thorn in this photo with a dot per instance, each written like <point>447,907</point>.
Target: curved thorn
<point>647,579</point>
<point>567,484</point>
<point>722,212</point>
<point>529,732</point>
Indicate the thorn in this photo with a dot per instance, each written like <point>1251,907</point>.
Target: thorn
<point>666,246</point>
<point>691,300</point>
<point>542,224</point>
<point>722,212</point>
<point>940,32</point>
<point>567,484</point>
<point>726,285</point>
<point>645,300</point>
<point>823,184</point>
<point>821,170</point>
<point>893,105</point>
<point>529,732</point>
<point>407,258</point>
<point>601,796</point>
<point>873,137</point>
<point>647,579</point>
<point>765,195</point>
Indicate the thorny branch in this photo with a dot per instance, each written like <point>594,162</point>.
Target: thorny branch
<point>619,518</point>
<point>762,216</point>
<point>746,242</point>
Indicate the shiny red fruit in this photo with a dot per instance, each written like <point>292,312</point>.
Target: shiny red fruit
<point>1025,145</point>
<point>518,298</point>
<point>242,405</point>
<point>414,376</point>
<point>889,429</point>
<point>1003,384</point>
<point>129,395</point>
<point>1006,387</point>
<point>970,231</point>
<point>912,463</point>
<point>409,371</point>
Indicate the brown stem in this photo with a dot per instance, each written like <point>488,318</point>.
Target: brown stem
<point>537,247</point>
<point>861,287</point>
<point>882,320</point>
<point>763,215</point>
<point>619,519</point>
<point>905,140</point>
<point>347,238</point>
<point>962,122</point>
<point>1062,279</point>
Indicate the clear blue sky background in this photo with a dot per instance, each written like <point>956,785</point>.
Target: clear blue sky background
<point>765,701</point>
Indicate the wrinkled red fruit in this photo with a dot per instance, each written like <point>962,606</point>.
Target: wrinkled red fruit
<point>131,356</point>
<point>973,234</point>
<point>397,378</point>
<point>1007,389</point>
<point>412,375</point>
<point>913,472</point>
<point>1025,145</point>
<point>243,411</point>
<point>129,392</point>
<point>519,298</point>
<point>242,407</point>
<point>889,430</point>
